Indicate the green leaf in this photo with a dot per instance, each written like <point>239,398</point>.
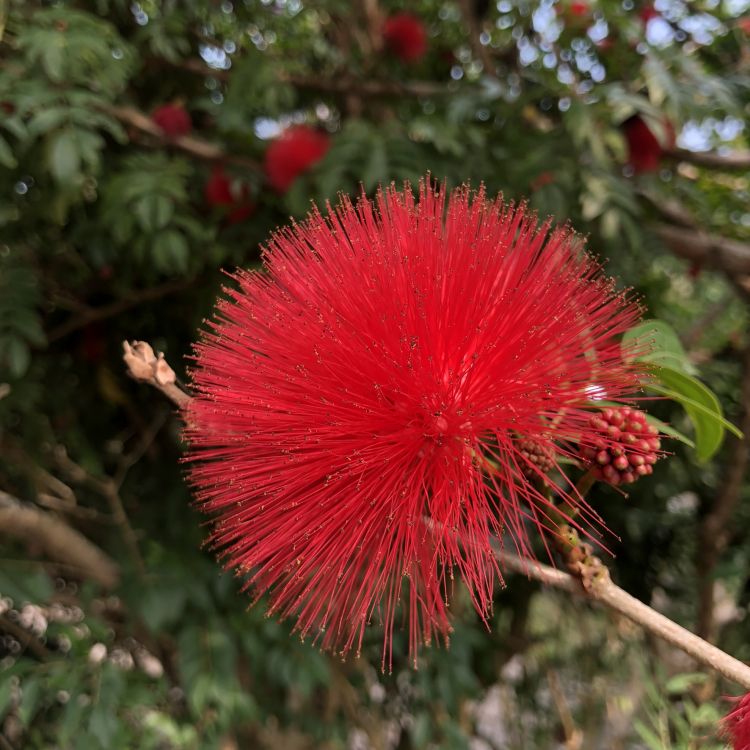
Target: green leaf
<point>681,683</point>
<point>656,342</point>
<point>65,156</point>
<point>6,154</point>
<point>153,212</point>
<point>16,354</point>
<point>171,251</point>
<point>700,404</point>
<point>30,694</point>
<point>667,429</point>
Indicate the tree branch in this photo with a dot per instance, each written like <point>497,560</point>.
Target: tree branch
<point>146,367</point>
<point>710,250</point>
<point>596,584</point>
<point>59,541</point>
<point>194,146</point>
<point>95,314</point>
<point>711,159</point>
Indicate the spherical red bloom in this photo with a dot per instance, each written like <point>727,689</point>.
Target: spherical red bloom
<point>625,448</point>
<point>579,9</point>
<point>736,724</point>
<point>405,36</point>
<point>542,179</point>
<point>360,411</point>
<point>647,12</point>
<point>173,120</point>
<point>296,150</point>
<point>220,191</point>
<point>743,24</point>
<point>644,149</point>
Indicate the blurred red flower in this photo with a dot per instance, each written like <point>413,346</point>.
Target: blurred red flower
<point>296,150</point>
<point>220,191</point>
<point>644,149</point>
<point>173,120</point>
<point>364,410</point>
<point>647,12</point>
<point>405,36</point>
<point>736,724</point>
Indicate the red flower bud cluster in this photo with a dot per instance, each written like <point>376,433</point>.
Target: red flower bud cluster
<point>173,120</point>
<point>627,446</point>
<point>405,36</point>
<point>296,150</point>
<point>538,457</point>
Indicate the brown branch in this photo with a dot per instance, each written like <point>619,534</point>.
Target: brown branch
<point>109,489</point>
<point>341,84</point>
<point>59,541</point>
<point>597,585</point>
<point>194,146</point>
<point>712,160</point>
<point>714,531</point>
<point>709,250</point>
<point>96,314</point>
<point>146,367</point>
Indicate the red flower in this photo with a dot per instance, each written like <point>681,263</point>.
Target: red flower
<point>579,9</point>
<point>644,149</point>
<point>647,12</point>
<point>296,150</point>
<point>736,724</point>
<point>173,120</point>
<point>221,192</point>
<point>364,409</point>
<point>542,179</point>
<point>743,24</point>
<point>405,36</point>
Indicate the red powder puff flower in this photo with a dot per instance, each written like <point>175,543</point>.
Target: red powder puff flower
<point>405,36</point>
<point>743,24</point>
<point>736,724</point>
<point>173,120</point>
<point>364,409</point>
<point>296,150</point>
<point>221,192</point>
<point>644,149</point>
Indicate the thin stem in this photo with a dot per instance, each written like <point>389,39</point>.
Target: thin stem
<point>603,590</point>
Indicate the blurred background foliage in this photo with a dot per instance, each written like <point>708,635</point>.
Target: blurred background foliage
<point>136,163</point>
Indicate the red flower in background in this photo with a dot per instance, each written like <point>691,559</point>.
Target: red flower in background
<point>220,191</point>
<point>647,13</point>
<point>736,724</point>
<point>644,149</point>
<point>173,120</point>
<point>579,9</point>
<point>405,36</point>
<point>576,15</point>
<point>364,410</point>
<point>296,150</point>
